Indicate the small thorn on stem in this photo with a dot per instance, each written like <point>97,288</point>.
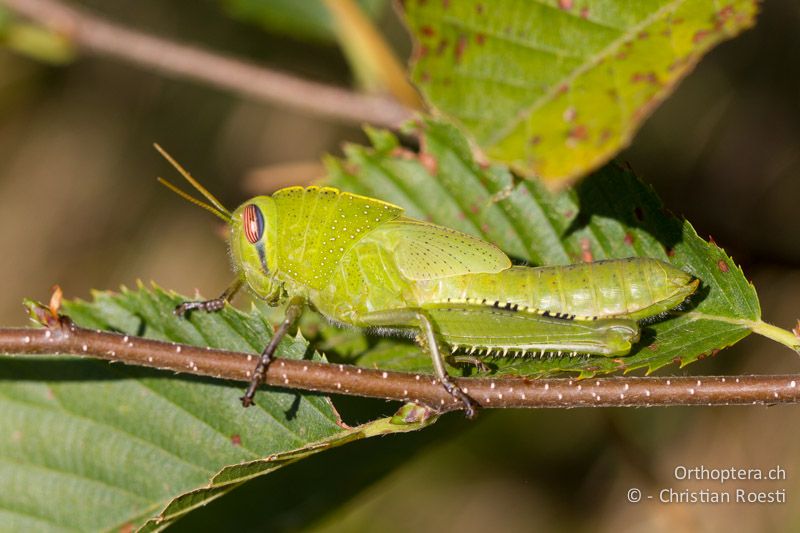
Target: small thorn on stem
<point>55,300</point>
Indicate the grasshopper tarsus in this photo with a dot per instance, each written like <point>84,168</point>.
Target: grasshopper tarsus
<point>260,372</point>
<point>246,401</point>
<point>259,375</point>
<point>209,306</point>
<point>249,394</point>
<point>470,405</point>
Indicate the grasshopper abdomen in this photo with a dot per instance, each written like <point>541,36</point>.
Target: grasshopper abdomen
<point>631,288</point>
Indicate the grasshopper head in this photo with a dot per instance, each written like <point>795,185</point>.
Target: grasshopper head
<point>252,238</point>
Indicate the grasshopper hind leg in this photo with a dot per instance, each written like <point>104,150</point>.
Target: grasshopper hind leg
<point>429,340</point>
<point>418,319</point>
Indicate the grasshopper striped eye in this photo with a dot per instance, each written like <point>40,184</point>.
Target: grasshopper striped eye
<point>253,221</point>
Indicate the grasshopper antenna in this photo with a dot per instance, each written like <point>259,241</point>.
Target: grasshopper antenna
<point>216,206</point>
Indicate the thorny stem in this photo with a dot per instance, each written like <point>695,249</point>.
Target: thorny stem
<point>178,60</point>
<point>64,337</point>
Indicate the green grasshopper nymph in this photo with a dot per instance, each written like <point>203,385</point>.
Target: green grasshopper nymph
<point>358,261</point>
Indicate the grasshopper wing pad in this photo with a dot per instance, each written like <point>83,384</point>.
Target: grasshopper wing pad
<point>426,251</point>
<point>318,225</point>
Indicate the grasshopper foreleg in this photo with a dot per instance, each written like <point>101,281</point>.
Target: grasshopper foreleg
<point>211,306</point>
<point>293,312</point>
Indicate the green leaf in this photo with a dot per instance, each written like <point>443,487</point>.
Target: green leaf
<point>555,88</point>
<point>610,215</point>
<point>308,19</point>
<point>86,445</point>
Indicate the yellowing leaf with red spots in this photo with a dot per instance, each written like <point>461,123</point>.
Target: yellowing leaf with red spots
<point>556,88</point>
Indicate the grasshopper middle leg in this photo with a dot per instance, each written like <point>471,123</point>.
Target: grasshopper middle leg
<point>293,312</point>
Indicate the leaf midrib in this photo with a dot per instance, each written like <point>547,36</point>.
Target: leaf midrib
<point>592,62</point>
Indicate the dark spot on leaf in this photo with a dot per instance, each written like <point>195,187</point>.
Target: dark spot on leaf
<point>700,36</point>
<point>480,38</point>
<point>479,9</point>
<point>564,88</point>
<point>422,51</point>
<point>474,209</point>
<point>643,35</point>
<point>586,250</point>
<point>585,12</point>
<point>236,440</point>
<point>536,139</point>
<point>460,46</point>
<point>429,162</point>
<point>723,266</point>
<point>440,48</point>
<point>653,347</point>
<point>427,31</point>
<point>676,360</point>
<point>649,77</point>
<point>579,132</point>
<point>629,239</point>
<point>565,4</point>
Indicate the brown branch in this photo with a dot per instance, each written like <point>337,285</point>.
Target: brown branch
<point>177,60</point>
<point>64,337</point>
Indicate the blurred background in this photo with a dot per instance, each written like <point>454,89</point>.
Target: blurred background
<point>79,206</point>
